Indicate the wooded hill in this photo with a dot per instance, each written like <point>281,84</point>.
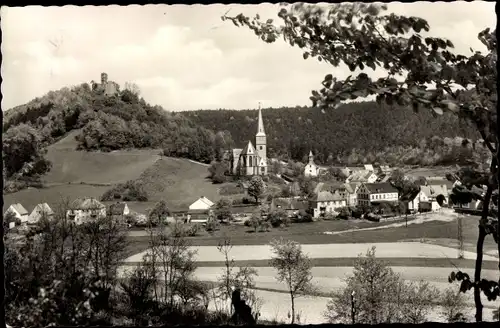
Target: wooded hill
<point>353,133</point>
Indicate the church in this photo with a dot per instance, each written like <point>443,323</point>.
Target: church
<point>251,160</point>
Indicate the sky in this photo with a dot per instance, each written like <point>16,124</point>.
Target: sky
<point>184,57</point>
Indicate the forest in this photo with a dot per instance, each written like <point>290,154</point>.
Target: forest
<point>354,133</point>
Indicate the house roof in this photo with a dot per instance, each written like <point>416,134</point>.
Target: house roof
<point>319,187</point>
<point>368,167</point>
<point>86,204</point>
<point>237,152</point>
<point>351,187</point>
<point>326,196</point>
<point>440,181</point>
<point>410,195</point>
<point>362,175</point>
<point>205,200</point>
<point>19,209</point>
<point>434,190</point>
<point>117,209</point>
<point>380,188</point>
<point>289,203</point>
<point>44,208</point>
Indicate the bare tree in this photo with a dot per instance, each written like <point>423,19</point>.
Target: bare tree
<point>294,268</point>
<point>453,305</point>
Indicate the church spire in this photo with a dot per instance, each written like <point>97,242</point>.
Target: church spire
<point>260,128</point>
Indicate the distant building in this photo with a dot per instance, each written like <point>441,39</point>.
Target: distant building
<point>251,160</point>
<point>119,210</point>
<point>429,197</point>
<point>311,169</point>
<point>369,193</point>
<point>364,176</point>
<point>290,205</point>
<point>19,212</point>
<point>41,210</point>
<point>326,202</point>
<point>109,88</point>
<point>85,210</point>
<point>201,203</point>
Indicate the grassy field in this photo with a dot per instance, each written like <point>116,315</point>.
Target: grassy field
<point>435,232</point>
<point>71,166</point>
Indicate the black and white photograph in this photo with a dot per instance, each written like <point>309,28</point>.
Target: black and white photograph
<point>250,164</point>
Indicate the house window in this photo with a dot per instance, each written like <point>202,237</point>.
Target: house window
<point>260,147</point>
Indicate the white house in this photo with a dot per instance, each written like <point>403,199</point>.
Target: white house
<point>19,212</point>
<point>326,202</point>
<point>369,167</point>
<point>202,203</point>
<point>311,169</point>
<point>364,176</point>
<point>86,209</point>
<point>352,193</point>
<point>428,197</point>
<point>376,192</point>
<point>40,211</point>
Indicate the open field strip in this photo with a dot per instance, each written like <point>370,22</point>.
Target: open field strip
<point>383,250</point>
<point>326,279</point>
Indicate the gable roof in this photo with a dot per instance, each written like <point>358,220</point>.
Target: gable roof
<point>43,208</point>
<point>289,203</point>
<point>326,196</point>
<point>204,200</point>
<point>249,149</point>
<point>86,204</point>
<point>440,181</point>
<point>362,175</point>
<point>434,190</point>
<point>410,195</point>
<point>237,152</point>
<point>352,187</point>
<point>117,208</point>
<point>19,209</point>
<point>380,188</point>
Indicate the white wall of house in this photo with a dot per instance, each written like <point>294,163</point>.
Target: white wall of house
<point>329,206</point>
<point>81,216</point>
<point>372,178</point>
<point>22,217</point>
<point>126,210</point>
<point>388,197</point>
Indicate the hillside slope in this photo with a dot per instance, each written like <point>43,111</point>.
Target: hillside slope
<point>72,166</point>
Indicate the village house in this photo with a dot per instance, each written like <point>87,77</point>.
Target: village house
<point>202,203</point>
<point>18,211</point>
<point>326,202</point>
<point>311,169</point>
<point>348,191</point>
<point>363,176</point>
<point>291,206</point>
<point>251,160</point>
<point>431,195</point>
<point>411,200</point>
<point>85,210</point>
<point>369,193</point>
<point>41,210</point>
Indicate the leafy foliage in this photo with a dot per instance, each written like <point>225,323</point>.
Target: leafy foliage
<point>378,295</point>
<point>294,269</point>
<point>256,188</point>
<point>128,191</point>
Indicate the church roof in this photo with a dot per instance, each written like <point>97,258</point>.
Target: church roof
<point>260,126</point>
<point>249,149</point>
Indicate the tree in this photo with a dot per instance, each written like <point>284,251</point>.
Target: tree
<point>294,269</point>
<point>243,279</point>
<point>460,85</point>
<point>223,210</point>
<point>217,171</point>
<point>23,152</point>
<point>453,305</point>
<point>307,186</point>
<point>380,296</point>
<point>158,213</point>
<point>256,188</point>
<point>133,88</point>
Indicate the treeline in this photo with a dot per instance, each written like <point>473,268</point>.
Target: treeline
<point>107,123</point>
<point>354,133</point>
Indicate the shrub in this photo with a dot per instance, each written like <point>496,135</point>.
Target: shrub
<point>276,221</point>
<point>265,226</point>
<point>212,226</point>
<point>246,200</point>
<point>193,230</point>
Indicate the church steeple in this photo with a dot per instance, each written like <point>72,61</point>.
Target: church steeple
<point>311,157</point>
<point>260,126</point>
